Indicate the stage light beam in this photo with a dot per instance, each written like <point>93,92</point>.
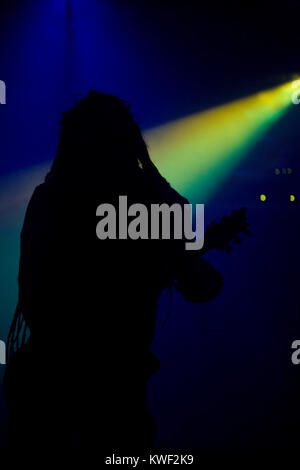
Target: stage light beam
<point>196,153</point>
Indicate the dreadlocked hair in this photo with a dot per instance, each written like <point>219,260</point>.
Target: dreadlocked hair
<point>18,331</point>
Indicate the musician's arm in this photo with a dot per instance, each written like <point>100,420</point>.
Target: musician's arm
<point>194,276</point>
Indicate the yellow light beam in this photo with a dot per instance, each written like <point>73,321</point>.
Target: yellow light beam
<point>195,153</point>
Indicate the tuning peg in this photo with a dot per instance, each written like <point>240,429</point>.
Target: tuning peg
<point>228,249</point>
<point>246,231</point>
<point>237,240</point>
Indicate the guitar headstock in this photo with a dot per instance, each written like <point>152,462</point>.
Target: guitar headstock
<point>219,235</point>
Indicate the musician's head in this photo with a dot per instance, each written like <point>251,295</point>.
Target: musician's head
<point>98,135</point>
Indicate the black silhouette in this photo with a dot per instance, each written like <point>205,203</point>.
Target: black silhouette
<point>80,380</point>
